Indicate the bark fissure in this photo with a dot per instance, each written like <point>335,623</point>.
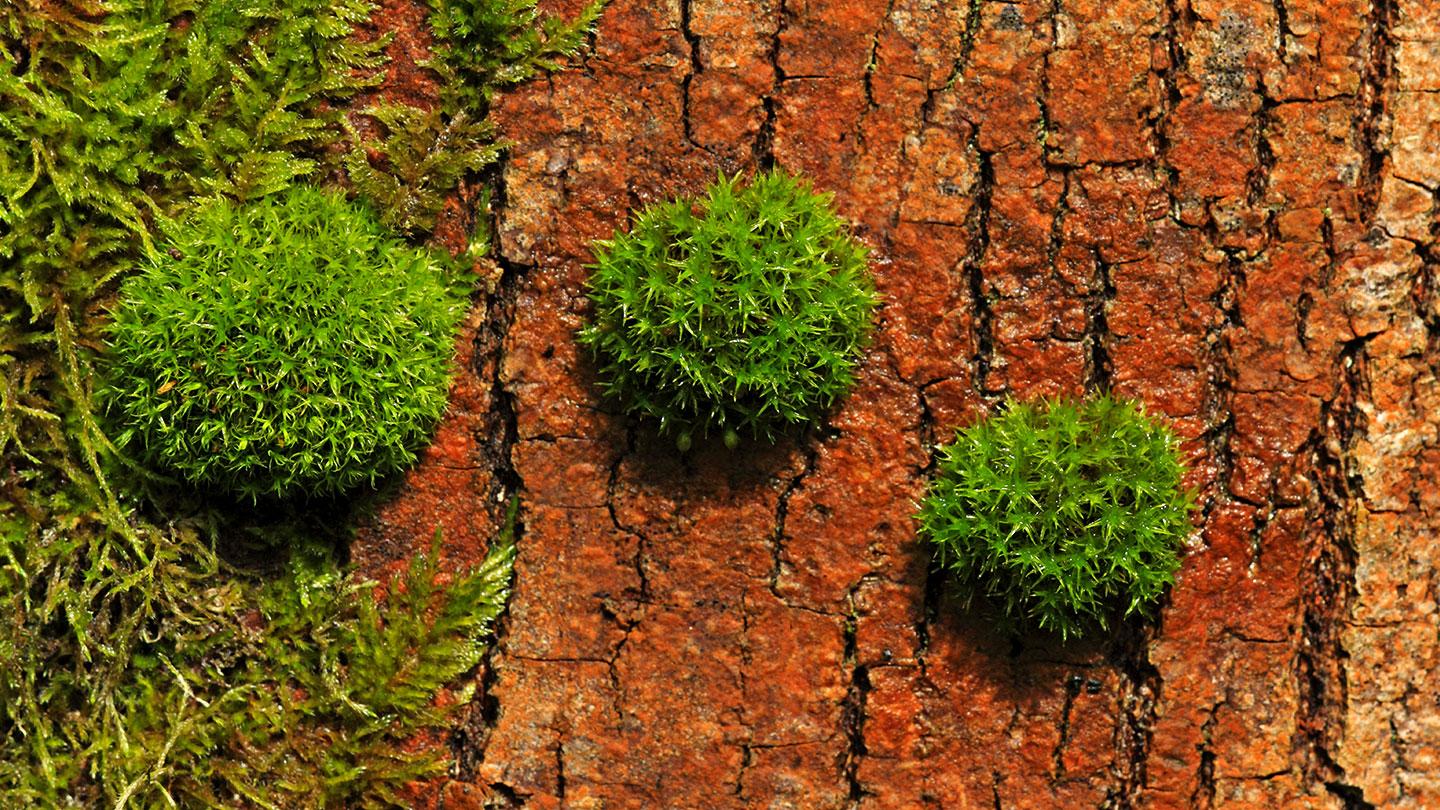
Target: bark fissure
<point>853,715</point>
<point>971,266</point>
<point>764,150</point>
<point>1372,110</point>
<point>1073,685</point>
<point>1098,371</point>
<point>811,452</point>
<point>506,484</point>
<point>1321,655</point>
<point>1140,687</point>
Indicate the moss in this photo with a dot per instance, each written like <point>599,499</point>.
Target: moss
<point>141,671</point>
<point>154,676</point>
<point>742,311</point>
<point>283,346</point>
<point>1062,514</point>
<point>114,116</point>
<point>486,45</point>
<point>481,47</point>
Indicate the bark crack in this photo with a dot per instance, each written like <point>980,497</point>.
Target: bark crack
<point>1330,592</point>
<point>853,714</point>
<point>1099,371</point>
<point>979,228</point>
<point>1140,687</point>
<point>501,435</point>
<point>764,151</point>
<point>696,68</point>
<point>1374,102</point>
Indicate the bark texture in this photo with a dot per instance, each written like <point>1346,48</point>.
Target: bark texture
<point>1224,208</point>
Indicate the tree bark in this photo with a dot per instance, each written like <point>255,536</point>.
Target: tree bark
<point>1224,209</point>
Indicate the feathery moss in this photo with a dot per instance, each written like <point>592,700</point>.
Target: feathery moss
<point>154,677</point>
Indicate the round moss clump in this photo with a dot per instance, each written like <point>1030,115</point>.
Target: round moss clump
<point>739,312</point>
<point>279,347</point>
<point>1063,514</point>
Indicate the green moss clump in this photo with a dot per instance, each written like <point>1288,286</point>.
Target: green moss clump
<point>1061,513</point>
<point>741,311</point>
<point>282,346</point>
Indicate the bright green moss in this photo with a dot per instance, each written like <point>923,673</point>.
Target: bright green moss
<point>742,311</point>
<point>1060,513</point>
<point>489,44</point>
<point>282,346</point>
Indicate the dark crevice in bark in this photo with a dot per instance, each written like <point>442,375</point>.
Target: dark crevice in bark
<point>696,68</point>
<point>1098,371</point>
<point>967,43</point>
<point>1353,798</point>
<point>1073,685</point>
<point>1257,182</point>
<point>628,618</point>
<point>1204,796</point>
<point>782,509</point>
<point>1042,100</point>
<point>1257,532</point>
<point>1373,109</point>
<point>1140,685</point>
<point>504,797</point>
<point>764,151</point>
<point>500,436</point>
<point>925,428</point>
<point>1330,590</point>
<point>931,600</point>
<point>1220,391</point>
<point>1283,34</point>
<point>1304,305</point>
<point>747,758</point>
<point>853,714</point>
<point>1176,62</point>
<point>641,541</point>
<point>1057,224</point>
<point>934,583</point>
<point>872,63</point>
<point>978,226</point>
<point>747,752</point>
<point>560,769</point>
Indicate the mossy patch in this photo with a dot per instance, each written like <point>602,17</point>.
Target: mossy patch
<point>140,670</point>
<point>152,675</point>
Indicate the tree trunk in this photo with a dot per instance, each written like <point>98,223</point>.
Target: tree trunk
<point>1223,209</point>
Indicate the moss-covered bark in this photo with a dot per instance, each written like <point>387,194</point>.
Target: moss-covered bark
<point>1222,209</point>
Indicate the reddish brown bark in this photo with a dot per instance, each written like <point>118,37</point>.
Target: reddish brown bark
<point>1224,209</point>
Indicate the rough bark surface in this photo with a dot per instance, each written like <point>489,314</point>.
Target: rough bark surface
<point>1226,209</point>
